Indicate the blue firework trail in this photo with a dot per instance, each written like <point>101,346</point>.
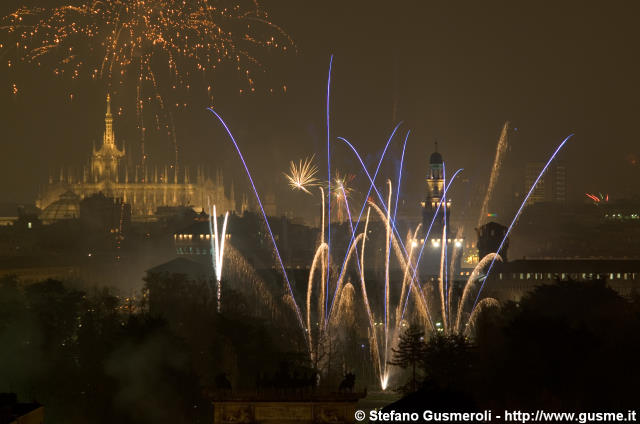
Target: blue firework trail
<point>264,216</point>
<point>515,218</point>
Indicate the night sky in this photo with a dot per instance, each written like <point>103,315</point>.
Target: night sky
<point>455,71</point>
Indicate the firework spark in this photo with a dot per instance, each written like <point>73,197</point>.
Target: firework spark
<point>342,185</point>
<point>303,175</point>
<point>598,198</point>
<point>153,51</point>
<point>116,38</point>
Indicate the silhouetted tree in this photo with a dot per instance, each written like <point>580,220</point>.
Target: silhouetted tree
<point>409,354</point>
<point>447,361</point>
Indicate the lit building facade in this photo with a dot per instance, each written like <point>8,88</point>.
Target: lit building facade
<point>512,280</point>
<point>435,215</point>
<point>143,187</point>
<point>552,187</point>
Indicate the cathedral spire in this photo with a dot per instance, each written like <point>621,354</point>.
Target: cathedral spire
<point>108,139</point>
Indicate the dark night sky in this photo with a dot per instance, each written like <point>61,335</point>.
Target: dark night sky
<point>456,70</point>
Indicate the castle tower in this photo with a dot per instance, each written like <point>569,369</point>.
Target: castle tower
<point>434,193</point>
<point>438,243</point>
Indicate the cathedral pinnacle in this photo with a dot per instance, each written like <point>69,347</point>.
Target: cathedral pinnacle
<point>108,120</point>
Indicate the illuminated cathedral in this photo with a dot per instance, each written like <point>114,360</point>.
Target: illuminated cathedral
<point>143,188</point>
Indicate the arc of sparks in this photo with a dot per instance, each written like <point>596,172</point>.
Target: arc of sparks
<point>517,215</point>
<point>326,318</point>
<point>266,221</point>
<point>364,205</point>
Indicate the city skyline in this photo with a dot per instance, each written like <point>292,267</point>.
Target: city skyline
<point>438,93</point>
<point>284,211</point>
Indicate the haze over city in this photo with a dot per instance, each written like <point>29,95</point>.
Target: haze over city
<point>310,212</point>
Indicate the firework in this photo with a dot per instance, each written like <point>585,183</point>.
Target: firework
<point>152,51</point>
<point>598,198</point>
<point>303,175</point>
<point>495,170</point>
<point>123,37</point>
<point>217,247</point>
<point>342,185</point>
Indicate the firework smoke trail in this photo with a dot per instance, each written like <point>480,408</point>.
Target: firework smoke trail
<point>374,336</point>
<point>397,238</point>
<point>352,250</point>
<point>470,282</point>
<point>218,251</point>
<point>324,258</point>
<point>424,243</point>
<point>405,278</point>
<point>372,186</point>
<point>485,303</point>
<point>403,263</point>
<point>344,315</point>
<point>441,282</point>
<point>344,268</point>
<point>495,171</point>
<point>515,218</point>
<point>346,203</point>
<point>380,198</point>
<point>266,221</point>
<point>397,247</point>
<point>317,257</point>
<point>404,146</point>
<point>457,252</point>
<point>322,227</point>
<point>435,215</point>
<point>364,205</point>
<point>445,245</point>
<point>329,193</point>
<point>386,278</point>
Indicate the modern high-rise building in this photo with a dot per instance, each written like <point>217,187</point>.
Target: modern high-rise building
<point>552,187</point>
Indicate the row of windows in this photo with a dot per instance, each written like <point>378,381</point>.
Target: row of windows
<point>620,216</point>
<point>565,276</point>
<point>193,251</point>
<point>198,236</point>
